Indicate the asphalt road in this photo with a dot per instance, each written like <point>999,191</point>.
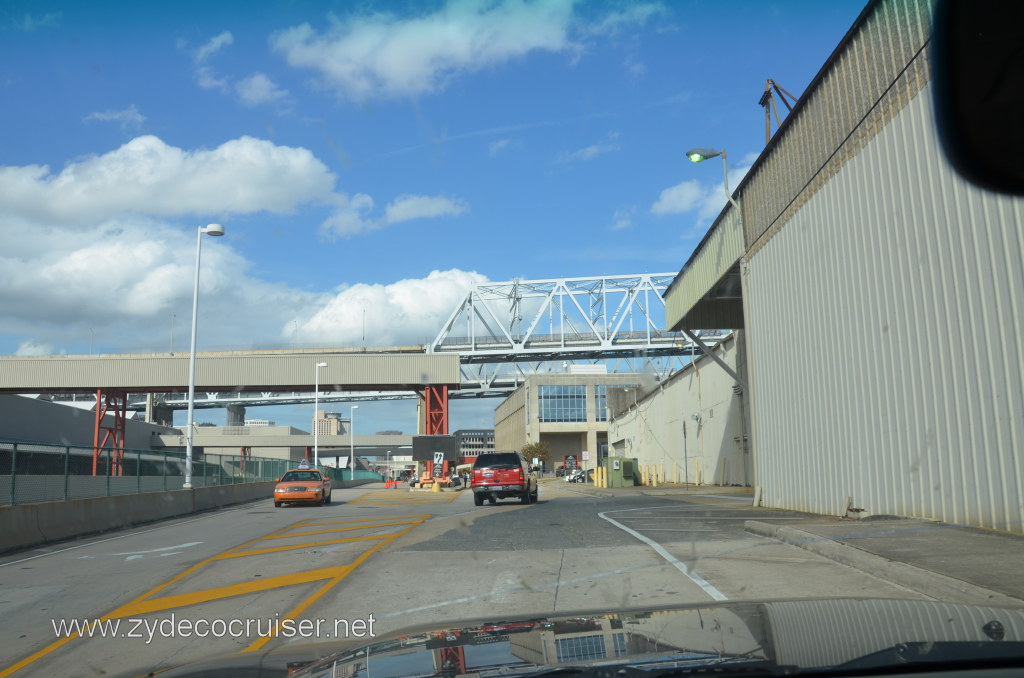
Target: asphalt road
<point>252,578</point>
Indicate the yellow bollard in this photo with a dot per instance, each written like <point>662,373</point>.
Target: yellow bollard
<point>435,486</point>
<point>654,476</point>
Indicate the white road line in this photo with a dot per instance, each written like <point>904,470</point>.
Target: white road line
<point>675,562</point>
<point>124,536</point>
<point>717,518</point>
<point>677,529</point>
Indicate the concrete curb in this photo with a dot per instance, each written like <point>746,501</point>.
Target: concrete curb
<point>932,584</point>
<point>27,525</point>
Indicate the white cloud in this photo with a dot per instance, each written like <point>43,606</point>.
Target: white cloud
<point>258,89</point>
<point>209,80</point>
<point>590,152</point>
<point>402,313</point>
<point>706,199</point>
<point>350,217</point>
<point>353,215</point>
<point>407,207</point>
<point>128,118</point>
<point>381,55</point>
<point>32,347</point>
<point>634,15</point>
<point>622,219</point>
<point>30,23</point>
<point>147,176</point>
<point>680,198</point>
<point>86,253</point>
<point>214,45</point>
<point>498,146</point>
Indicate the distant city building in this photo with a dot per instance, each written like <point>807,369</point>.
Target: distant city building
<point>567,411</point>
<point>473,443</point>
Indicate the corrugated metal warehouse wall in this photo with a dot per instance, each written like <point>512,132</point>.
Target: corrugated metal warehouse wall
<point>906,286</point>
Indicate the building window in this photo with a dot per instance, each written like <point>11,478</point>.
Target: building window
<point>562,403</point>
<point>620,644</point>
<point>580,648</point>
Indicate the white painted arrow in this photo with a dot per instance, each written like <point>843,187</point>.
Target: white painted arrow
<point>135,555</point>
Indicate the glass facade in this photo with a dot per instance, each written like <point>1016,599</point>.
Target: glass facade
<point>585,648</point>
<point>562,403</point>
<point>579,649</point>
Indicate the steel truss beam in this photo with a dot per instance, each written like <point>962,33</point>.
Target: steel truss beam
<point>603,317</point>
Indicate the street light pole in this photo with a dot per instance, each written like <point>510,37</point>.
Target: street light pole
<point>702,154</point>
<point>316,414</point>
<point>389,464</point>
<point>352,442</point>
<point>213,230</point>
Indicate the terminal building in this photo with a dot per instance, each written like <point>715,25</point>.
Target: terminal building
<point>567,411</point>
<point>875,295</point>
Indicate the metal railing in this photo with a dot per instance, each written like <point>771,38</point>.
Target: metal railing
<point>36,472</point>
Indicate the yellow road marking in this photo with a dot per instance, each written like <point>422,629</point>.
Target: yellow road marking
<point>145,604</point>
<point>205,596</point>
<point>324,589</point>
<point>334,529</point>
<point>310,523</point>
<point>384,498</point>
<point>277,549</point>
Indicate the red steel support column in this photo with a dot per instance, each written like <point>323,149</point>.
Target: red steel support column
<point>436,402</point>
<point>116,404</point>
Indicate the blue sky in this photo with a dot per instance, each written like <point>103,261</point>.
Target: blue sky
<point>361,156</point>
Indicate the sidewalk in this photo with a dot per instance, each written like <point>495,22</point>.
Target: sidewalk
<point>952,563</point>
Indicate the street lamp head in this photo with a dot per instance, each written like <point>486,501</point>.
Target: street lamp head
<point>702,154</point>
<point>213,229</point>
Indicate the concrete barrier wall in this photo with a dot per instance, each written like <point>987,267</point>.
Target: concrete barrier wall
<point>25,525</point>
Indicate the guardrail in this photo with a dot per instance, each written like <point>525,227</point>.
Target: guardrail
<point>33,472</point>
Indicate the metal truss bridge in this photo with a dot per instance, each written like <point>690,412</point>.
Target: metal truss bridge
<point>506,332</point>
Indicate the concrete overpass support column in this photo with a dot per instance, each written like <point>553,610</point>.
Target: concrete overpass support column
<point>591,446</point>
<point>236,415</point>
<point>157,412</point>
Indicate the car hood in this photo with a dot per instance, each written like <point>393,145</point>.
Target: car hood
<point>770,637</point>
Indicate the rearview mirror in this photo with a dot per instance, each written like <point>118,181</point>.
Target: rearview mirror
<point>978,77</point>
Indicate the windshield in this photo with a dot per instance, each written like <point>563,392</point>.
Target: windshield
<point>506,337</point>
<point>497,461</point>
<point>292,476</point>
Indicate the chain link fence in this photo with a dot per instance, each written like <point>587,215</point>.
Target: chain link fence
<point>37,472</point>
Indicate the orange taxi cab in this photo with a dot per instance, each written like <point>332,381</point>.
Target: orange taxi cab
<point>302,486</point>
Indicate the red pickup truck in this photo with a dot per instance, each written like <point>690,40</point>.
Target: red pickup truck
<point>503,474</point>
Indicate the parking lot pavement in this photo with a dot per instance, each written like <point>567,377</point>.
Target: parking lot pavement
<point>954,563</point>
